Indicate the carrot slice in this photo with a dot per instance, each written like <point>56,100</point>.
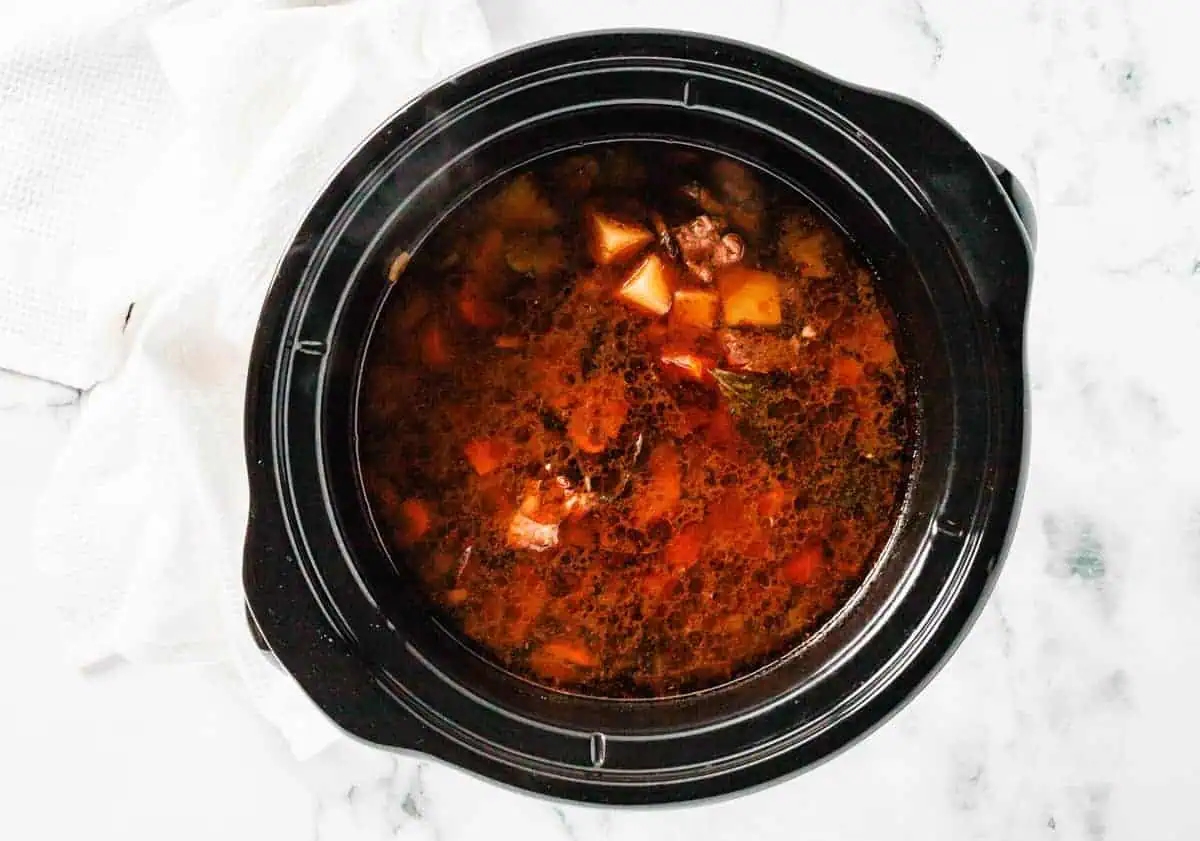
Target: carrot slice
<point>477,309</point>
<point>695,308</point>
<point>684,548</point>
<point>750,297</point>
<point>435,347</point>
<point>661,494</point>
<point>570,652</point>
<point>802,566</point>
<point>648,287</point>
<point>486,454</point>
<point>720,429</point>
<point>417,519</point>
<point>614,241</point>
<point>848,372</point>
<point>772,503</point>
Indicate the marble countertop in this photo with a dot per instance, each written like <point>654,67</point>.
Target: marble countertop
<point>1069,711</point>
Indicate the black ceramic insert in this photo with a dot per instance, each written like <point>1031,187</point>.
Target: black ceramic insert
<point>950,235</point>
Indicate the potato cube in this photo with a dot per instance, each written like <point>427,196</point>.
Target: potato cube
<point>521,206</point>
<point>750,297</point>
<point>695,308</point>
<point>648,288</point>
<point>613,241</point>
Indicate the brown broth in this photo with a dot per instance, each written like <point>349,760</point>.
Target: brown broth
<point>613,500</point>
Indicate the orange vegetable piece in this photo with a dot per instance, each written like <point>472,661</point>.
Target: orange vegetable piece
<point>696,308</point>
<point>417,519</point>
<point>600,414</point>
<point>456,596</point>
<point>477,309</point>
<point>520,205</point>
<point>487,260</point>
<point>486,454</point>
<point>648,287</point>
<point>750,297</point>
<point>685,546</point>
<point>613,241</point>
<point>435,347</point>
<point>727,514</point>
<point>661,494</point>
<point>848,371</point>
<point>771,503</point>
<point>808,253</point>
<point>687,365</point>
<point>720,429</point>
<point>578,531</point>
<point>571,652</point>
<point>655,584</point>
<point>510,342</point>
<point>870,339</point>
<point>802,566</point>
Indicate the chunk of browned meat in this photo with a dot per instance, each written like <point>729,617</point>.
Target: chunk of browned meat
<point>705,248</point>
<point>760,353</point>
<point>741,194</point>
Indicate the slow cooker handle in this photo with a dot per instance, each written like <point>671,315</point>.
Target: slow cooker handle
<point>288,624</point>
<point>1018,195</point>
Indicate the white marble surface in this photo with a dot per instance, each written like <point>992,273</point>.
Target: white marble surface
<point>1069,712</point>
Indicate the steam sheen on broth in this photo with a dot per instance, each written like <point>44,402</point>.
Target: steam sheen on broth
<point>635,420</point>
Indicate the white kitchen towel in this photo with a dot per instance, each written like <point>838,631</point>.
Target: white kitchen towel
<point>140,532</point>
<point>83,107</point>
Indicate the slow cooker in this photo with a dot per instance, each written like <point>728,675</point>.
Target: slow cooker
<point>950,234</point>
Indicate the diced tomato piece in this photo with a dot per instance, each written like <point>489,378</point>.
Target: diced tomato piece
<point>661,494</point>
<point>614,241</point>
<point>802,566</point>
<point>685,546</point>
<point>416,519</point>
<point>486,454</point>
<point>435,347</point>
<point>648,287</point>
<point>696,308</point>
<point>750,297</point>
<point>688,365</point>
